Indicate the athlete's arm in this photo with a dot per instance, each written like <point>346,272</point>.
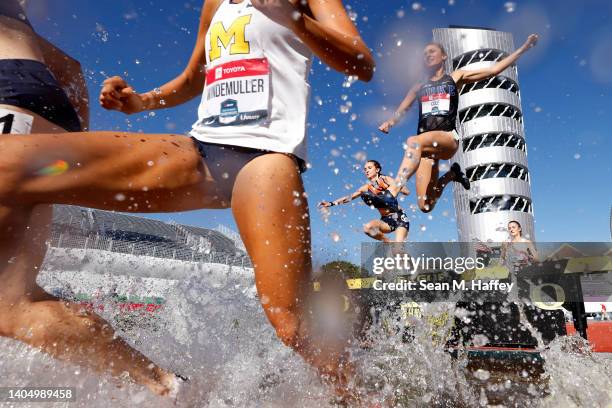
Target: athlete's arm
<point>533,252</point>
<point>345,199</point>
<point>463,77</point>
<point>70,77</point>
<point>118,95</point>
<point>328,32</point>
<point>394,187</point>
<point>401,109</point>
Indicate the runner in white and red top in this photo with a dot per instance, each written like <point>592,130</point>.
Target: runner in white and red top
<point>437,139</point>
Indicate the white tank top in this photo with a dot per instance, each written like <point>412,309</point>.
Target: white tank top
<point>256,92</point>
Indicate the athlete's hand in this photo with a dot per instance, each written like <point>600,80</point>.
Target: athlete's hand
<point>386,126</point>
<point>531,41</point>
<point>116,94</point>
<point>283,12</point>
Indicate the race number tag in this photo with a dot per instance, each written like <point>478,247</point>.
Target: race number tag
<point>436,104</point>
<point>237,93</point>
<point>15,122</point>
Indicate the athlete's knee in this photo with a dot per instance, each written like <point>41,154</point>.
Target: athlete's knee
<point>426,205</point>
<point>370,229</point>
<point>413,142</point>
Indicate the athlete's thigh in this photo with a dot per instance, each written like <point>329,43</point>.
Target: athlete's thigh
<point>109,170</point>
<point>400,234</point>
<point>382,226</point>
<point>426,177</point>
<point>438,144</point>
<point>272,216</point>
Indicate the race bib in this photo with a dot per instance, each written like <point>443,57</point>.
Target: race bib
<point>15,122</point>
<point>436,104</point>
<point>237,93</point>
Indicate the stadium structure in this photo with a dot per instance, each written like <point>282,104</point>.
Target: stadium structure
<point>84,228</point>
<point>492,149</point>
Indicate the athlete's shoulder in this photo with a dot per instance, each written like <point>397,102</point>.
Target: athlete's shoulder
<point>209,8</point>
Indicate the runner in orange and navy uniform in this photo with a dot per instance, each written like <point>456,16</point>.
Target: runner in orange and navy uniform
<point>381,193</point>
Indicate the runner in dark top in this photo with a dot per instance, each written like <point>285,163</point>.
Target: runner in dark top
<point>437,138</point>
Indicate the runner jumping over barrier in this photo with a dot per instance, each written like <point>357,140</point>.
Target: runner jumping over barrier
<point>437,138</point>
<point>381,193</point>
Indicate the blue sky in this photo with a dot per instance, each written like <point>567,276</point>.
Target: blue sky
<point>566,85</point>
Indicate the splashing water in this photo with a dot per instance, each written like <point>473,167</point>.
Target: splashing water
<point>211,329</point>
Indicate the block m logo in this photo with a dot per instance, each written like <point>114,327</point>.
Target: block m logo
<point>234,38</point>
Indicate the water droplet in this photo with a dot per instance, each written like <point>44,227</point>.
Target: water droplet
<point>349,80</point>
<point>137,62</point>
<point>423,228</point>
<point>225,175</point>
<point>435,144</point>
<point>537,109</point>
<point>400,14</point>
<point>482,374</point>
<point>120,197</point>
<point>335,236</point>
<point>416,6</point>
<point>101,32</point>
<point>398,43</point>
<point>336,171</point>
<point>297,202</point>
<point>510,6</point>
<point>150,163</point>
<point>577,156</point>
<point>360,156</point>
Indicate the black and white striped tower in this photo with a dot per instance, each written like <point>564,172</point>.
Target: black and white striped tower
<point>492,149</point>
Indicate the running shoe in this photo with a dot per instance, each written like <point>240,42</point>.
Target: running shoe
<point>460,176</point>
